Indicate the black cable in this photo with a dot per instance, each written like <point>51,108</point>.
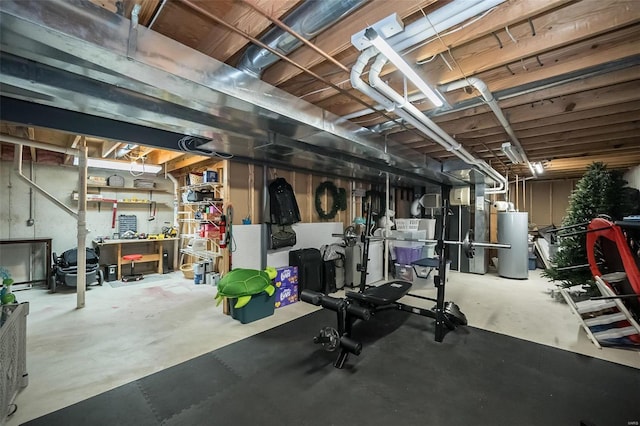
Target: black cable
<point>533,29</point>
<point>498,38</point>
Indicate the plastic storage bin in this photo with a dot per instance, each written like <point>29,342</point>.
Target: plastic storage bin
<point>408,255</point>
<point>407,224</point>
<point>261,306</point>
<point>404,272</point>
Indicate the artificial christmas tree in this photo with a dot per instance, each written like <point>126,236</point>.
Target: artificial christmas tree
<point>598,192</point>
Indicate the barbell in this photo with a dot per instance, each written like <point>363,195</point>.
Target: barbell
<point>350,238</point>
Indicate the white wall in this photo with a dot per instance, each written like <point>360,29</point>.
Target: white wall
<point>53,222</point>
<point>308,235</point>
<point>633,177</point>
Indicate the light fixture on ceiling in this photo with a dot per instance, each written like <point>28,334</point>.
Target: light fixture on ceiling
<point>101,163</point>
<point>538,167</point>
<point>513,153</point>
<point>393,56</point>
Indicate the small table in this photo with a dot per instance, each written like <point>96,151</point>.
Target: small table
<point>155,256</point>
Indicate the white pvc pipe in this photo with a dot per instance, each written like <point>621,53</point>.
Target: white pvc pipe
<point>176,199</point>
<point>440,20</point>
<point>431,129</point>
<point>357,82</point>
<point>28,142</point>
<point>482,87</point>
<point>18,168</point>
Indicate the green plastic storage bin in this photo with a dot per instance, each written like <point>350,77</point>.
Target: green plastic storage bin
<point>260,306</point>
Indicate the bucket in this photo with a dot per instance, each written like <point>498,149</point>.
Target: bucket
<point>198,273</point>
<point>429,250</point>
<point>407,255</point>
<point>212,278</point>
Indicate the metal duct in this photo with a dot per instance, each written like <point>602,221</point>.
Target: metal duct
<point>65,64</point>
<point>307,20</point>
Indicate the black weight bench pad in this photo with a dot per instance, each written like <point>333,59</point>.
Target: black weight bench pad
<point>383,294</point>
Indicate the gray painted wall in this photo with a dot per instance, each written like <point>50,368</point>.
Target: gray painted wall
<point>53,222</point>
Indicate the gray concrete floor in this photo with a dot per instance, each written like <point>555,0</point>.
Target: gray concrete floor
<point>129,332</point>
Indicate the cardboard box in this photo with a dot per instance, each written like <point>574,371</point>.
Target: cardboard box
<point>286,283</point>
<point>286,275</point>
<point>286,294</point>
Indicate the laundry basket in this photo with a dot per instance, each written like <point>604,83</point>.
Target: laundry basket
<point>187,271</point>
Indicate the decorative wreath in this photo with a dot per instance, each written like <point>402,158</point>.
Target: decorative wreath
<point>338,200</point>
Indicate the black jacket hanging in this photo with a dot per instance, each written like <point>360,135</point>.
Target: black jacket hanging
<point>283,204</point>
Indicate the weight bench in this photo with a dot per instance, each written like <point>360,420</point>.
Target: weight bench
<point>365,303</point>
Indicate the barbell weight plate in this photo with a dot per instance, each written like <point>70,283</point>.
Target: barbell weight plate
<point>467,245</point>
<point>350,236</point>
<point>333,336</point>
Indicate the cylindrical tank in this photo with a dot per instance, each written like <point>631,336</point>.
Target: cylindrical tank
<point>513,228</point>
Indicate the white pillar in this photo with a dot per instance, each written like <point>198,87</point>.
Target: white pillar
<point>82,226</point>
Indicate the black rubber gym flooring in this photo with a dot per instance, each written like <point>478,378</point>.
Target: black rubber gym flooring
<point>402,377</point>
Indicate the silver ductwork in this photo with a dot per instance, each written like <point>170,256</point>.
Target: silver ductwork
<point>71,59</point>
<point>307,20</point>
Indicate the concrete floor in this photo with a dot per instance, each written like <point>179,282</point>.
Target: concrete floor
<point>129,332</point>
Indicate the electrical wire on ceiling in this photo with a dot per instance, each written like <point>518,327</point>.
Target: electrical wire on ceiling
<point>192,145</point>
<point>323,89</point>
<point>446,33</point>
<point>513,39</point>
<point>134,158</point>
<point>448,48</point>
<point>366,121</point>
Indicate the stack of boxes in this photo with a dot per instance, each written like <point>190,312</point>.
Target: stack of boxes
<point>262,305</point>
<point>407,252</point>
<point>286,283</point>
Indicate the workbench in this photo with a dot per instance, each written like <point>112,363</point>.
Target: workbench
<point>133,246</point>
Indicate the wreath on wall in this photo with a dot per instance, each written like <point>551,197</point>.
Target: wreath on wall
<point>338,199</point>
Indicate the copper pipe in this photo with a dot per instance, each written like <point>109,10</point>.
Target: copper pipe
<point>288,29</point>
<point>278,54</point>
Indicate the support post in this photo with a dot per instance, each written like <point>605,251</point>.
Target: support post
<point>82,226</point>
